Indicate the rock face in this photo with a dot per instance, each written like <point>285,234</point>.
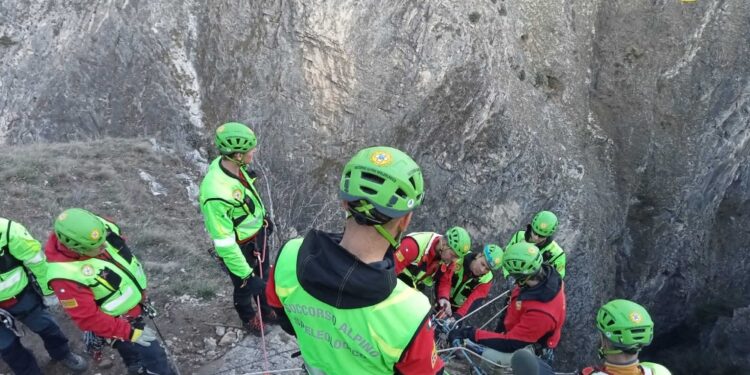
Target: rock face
<point>630,120</point>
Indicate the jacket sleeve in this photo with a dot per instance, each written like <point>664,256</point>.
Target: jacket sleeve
<point>517,237</point>
<point>534,325</point>
<point>406,254</point>
<point>559,260</point>
<point>444,285</point>
<point>221,229</point>
<point>476,296</point>
<point>421,356</point>
<point>29,251</point>
<point>78,302</point>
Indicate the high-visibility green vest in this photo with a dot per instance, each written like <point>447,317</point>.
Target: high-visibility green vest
<point>552,254</point>
<point>231,213</point>
<point>366,340</point>
<point>416,271</point>
<point>460,288</point>
<point>18,251</point>
<point>117,284</point>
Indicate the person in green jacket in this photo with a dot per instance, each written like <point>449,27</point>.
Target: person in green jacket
<point>625,328</point>
<point>236,221</point>
<point>539,232</point>
<point>19,301</point>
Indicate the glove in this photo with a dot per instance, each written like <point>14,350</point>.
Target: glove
<point>445,306</point>
<point>50,300</point>
<point>255,285</point>
<point>141,334</point>
<point>467,332</point>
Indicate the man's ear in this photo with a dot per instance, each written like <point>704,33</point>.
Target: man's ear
<point>404,222</point>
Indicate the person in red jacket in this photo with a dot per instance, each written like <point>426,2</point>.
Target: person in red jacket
<point>86,253</point>
<point>423,257</point>
<point>536,310</point>
<point>472,279</point>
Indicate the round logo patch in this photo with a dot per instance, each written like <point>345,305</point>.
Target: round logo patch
<point>496,261</point>
<point>532,250</point>
<point>410,203</point>
<point>62,216</point>
<point>87,270</point>
<point>95,234</point>
<point>635,317</point>
<point>381,158</point>
<point>220,129</point>
<point>237,194</point>
<point>543,225</point>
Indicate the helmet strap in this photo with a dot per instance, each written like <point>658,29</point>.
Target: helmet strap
<point>391,239</point>
<point>604,352</point>
<point>238,163</point>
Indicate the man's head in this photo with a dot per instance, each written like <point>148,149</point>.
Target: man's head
<point>626,327</point>
<point>455,244</point>
<point>236,142</point>
<point>543,225</point>
<point>490,259</point>
<point>522,261</point>
<point>381,187</point>
<point>81,231</point>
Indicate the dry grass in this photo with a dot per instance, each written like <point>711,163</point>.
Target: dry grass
<point>39,181</point>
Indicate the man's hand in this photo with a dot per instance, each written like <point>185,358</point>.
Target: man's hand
<point>445,307</point>
<point>256,285</point>
<point>467,332</point>
<point>142,334</point>
<point>50,300</point>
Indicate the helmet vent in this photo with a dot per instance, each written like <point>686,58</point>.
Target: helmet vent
<point>368,190</point>
<point>373,178</point>
<point>401,193</point>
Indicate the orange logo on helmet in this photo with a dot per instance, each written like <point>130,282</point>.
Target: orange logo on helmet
<point>381,158</point>
<point>635,317</point>
<point>220,129</point>
<point>543,225</point>
<point>95,234</point>
<point>62,216</point>
<point>532,250</point>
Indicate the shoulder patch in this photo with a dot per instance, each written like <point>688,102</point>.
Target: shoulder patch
<point>69,303</point>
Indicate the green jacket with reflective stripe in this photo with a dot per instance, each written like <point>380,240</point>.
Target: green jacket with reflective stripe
<point>117,283</point>
<point>552,253</point>
<point>231,213</point>
<point>366,340</point>
<point>19,250</point>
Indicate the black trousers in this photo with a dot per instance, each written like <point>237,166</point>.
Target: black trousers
<point>255,287</point>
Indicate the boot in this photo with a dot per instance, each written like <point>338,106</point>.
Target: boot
<point>254,326</point>
<point>74,362</point>
<point>270,317</point>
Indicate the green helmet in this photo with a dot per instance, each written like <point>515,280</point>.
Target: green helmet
<point>626,324</point>
<point>80,230</point>
<point>385,177</point>
<point>494,256</point>
<point>459,240</point>
<point>544,223</point>
<point>522,258</point>
<point>234,137</point>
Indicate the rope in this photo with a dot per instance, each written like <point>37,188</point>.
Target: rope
<point>493,317</point>
<point>252,363</point>
<point>483,306</point>
<point>261,257</point>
